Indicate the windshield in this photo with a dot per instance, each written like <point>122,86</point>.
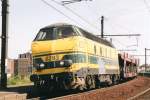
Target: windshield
<point>54,33</point>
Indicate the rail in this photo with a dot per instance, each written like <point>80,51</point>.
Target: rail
<point>139,94</point>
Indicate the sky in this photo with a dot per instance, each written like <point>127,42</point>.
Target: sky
<point>26,17</point>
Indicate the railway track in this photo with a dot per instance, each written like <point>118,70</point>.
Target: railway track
<point>72,95</point>
<point>144,95</point>
<point>122,91</point>
<point>141,95</point>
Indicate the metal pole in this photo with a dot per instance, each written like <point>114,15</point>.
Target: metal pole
<point>65,2</point>
<point>145,60</point>
<point>115,35</point>
<point>102,27</point>
<point>4,42</point>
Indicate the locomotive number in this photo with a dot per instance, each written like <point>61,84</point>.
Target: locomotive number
<point>52,58</point>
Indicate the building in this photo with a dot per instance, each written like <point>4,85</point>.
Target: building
<point>24,67</point>
<point>15,67</point>
<point>24,64</point>
<point>25,55</point>
<point>11,65</point>
<point>21,66</point>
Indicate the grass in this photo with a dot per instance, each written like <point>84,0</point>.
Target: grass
<point>18,80</point>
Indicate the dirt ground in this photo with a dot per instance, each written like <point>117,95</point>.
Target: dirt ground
<point>145,96</point>
<point>118,92</point>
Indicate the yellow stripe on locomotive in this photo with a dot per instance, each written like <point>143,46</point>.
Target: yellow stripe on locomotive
<point>73,44</point>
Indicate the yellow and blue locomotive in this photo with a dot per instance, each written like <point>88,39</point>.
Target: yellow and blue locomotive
<point>68,57</point>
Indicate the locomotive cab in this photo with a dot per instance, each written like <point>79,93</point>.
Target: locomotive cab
<point>54,33</point>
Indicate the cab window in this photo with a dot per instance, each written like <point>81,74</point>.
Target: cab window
<point>64,32</point>
<point>54,33</point>
<point>46,34</point>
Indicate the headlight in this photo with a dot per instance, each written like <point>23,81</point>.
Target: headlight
<point>42,65</point>
<point>61,63</point>
<point>65,63</point>
<point>70,61</point>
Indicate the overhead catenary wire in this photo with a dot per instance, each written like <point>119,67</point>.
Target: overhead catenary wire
<point>120,26</point>
<point>48,4</point>
<point>122,44</point>
<point>141,55</point>
<point>126,47</point>
<point>92,10</point>
<point>136,35</point>
<point>118,35</point>
<point>65,2</point>
<point>85,20</point>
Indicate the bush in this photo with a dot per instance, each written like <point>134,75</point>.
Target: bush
<point>18,80</point>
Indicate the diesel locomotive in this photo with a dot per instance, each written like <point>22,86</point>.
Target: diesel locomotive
<point>68,57</point>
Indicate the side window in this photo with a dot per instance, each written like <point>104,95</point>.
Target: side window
<point>81,58</point>
<point>92,59</point>
<point>100,51</point>
<point>76,58</point>
<point>94,49</point>
<point>105,52</point>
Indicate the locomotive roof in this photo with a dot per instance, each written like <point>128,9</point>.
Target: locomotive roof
<point>85,34</point>
<point>97,39</point>
<point>57,25</point>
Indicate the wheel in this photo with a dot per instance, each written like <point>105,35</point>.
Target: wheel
<point>90,82</point>
<point>97,82</point>
<point>114,79</point>
<point>80,88</point>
